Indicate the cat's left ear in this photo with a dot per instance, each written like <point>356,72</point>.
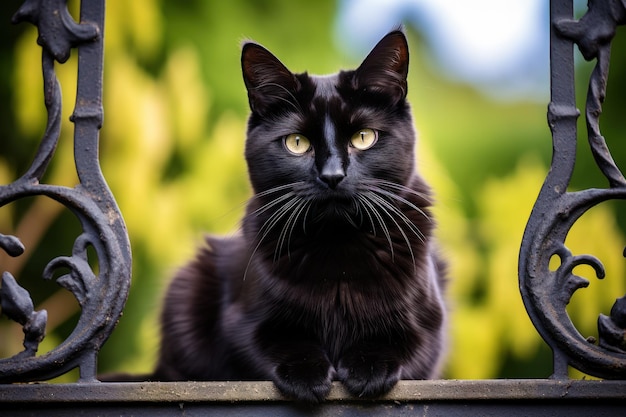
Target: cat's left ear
<point>268,81</point>
<point>386,67</point>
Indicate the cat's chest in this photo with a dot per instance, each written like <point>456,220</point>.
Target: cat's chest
<point>338,260</point>
<point>341,273</point>
<point>345,276</point>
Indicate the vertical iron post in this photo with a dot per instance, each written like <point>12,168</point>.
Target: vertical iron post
<point>102,294</point>
<point>546,291</point>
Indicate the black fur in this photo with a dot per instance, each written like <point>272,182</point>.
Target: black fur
<point>334,274</point>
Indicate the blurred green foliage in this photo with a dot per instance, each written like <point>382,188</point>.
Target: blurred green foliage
<point>172,152</point>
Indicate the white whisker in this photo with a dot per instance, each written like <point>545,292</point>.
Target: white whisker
<point>369,207</point>
<point>287,230</point>
<point>273,203</point>
<point>399,187</point>
<point>402,200</point>
<point>404,218</point>
<point>380,185</point>
<point>395,210</point>
<point>274,190</point>
<point>386,206</point>
<point>273,220</point>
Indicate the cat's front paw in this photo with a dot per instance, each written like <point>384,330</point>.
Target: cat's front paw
<point>305,379</point>
<point>368,375</point>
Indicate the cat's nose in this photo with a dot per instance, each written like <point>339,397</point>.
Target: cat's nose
<point>332,177</point>
<point>332,180</point>
<point>332,171</point>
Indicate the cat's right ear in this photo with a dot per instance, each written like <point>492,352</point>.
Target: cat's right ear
<point>267,80</point>
<point>386,67</point>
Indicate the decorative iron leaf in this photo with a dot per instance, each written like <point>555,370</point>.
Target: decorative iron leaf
<point>58,32</point>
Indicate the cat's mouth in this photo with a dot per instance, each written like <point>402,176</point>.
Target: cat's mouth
<point>336,209</point>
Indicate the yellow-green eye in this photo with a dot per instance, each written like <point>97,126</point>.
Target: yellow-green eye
<point>364,139</point>
<point>297,144</point>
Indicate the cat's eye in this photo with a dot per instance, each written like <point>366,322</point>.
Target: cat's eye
<point>297,144</point>
<point>364,139</point>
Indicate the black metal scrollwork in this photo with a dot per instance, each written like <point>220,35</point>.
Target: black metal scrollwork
<point>100,295</point>
<point>547,292</point>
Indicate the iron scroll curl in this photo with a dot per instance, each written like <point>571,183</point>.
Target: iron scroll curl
<point>545,291</point>
<point>102,294</point>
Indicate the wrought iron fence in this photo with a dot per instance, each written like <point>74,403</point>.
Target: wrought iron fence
<point>547,291</point>
<point>101,294</point>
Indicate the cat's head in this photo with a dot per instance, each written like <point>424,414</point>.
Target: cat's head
<point>329,137</point>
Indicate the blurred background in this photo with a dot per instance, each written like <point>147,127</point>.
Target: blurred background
<point>172,153</point>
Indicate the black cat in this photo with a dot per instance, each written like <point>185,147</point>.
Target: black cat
<point>334,274</point>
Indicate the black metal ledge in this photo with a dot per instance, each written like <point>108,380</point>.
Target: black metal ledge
<point>416,398</point>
